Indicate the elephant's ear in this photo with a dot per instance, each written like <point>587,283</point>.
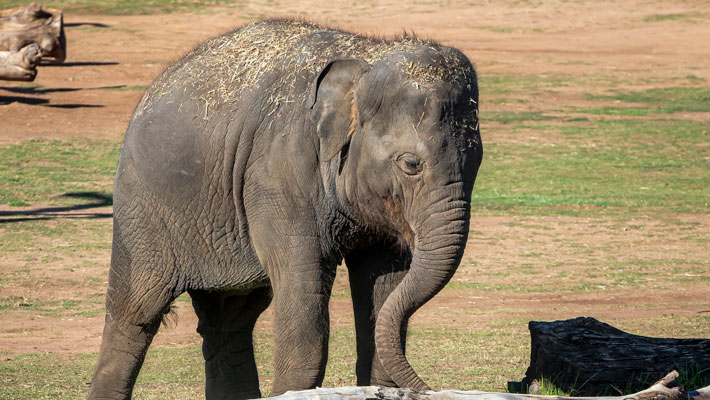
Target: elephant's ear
<point>333,106</point>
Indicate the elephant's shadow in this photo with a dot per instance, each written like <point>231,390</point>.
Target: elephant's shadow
<point>95,200</point>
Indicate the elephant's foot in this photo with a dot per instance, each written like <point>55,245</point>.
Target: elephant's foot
<point>381,379</point>
<point>120,358</point>
<point>230,370</point>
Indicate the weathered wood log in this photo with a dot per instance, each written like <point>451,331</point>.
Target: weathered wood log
<point>661,390</point>
<point>20,65</point>
<point>22,26</point>
<point>588,357</point>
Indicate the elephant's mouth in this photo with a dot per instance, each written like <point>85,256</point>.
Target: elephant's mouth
<point>402,230</point>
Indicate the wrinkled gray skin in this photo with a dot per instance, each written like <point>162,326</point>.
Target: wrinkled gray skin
<point>242,200</point>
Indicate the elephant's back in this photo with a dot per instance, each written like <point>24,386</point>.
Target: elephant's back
<point>234,87</point>
<point>287,54</point>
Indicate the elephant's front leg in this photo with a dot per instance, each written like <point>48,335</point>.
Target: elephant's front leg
<point>301,286</point>
<point>374,273</point>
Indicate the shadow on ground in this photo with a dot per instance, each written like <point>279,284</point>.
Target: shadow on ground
<point>79,64</point>
<point>42,90</point>
<point>44,102</point>
<point>93,24</point>
<point>94,200</point>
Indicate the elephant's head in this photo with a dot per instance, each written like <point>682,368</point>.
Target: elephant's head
<point>402,134</point>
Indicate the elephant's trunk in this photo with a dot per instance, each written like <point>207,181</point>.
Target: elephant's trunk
<point>437,252</point>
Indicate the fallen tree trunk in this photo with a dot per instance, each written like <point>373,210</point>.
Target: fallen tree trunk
<point>661,390</point>
<point>22,26</point>
<point>20,65</point>
<point>587,357</point>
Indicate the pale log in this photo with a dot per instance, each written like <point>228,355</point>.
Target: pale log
<point>588,357</point>
<point>661,390</point>
<point>22,26</point>
<point>20,65</point>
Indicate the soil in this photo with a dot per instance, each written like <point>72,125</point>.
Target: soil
<point>111,59</point>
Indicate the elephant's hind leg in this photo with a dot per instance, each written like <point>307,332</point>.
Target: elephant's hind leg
<point>122,353</point>
<point>136,301</point>
<point>226,323</point>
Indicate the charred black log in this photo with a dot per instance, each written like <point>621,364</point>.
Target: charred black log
<point>587,357</point>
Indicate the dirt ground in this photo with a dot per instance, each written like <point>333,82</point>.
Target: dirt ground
<point>111,59</point>
<point>580,37</point>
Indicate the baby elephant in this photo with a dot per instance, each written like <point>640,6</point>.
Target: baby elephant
<point>255,165</point>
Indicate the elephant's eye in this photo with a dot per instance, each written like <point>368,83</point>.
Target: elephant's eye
<point>409,163</point>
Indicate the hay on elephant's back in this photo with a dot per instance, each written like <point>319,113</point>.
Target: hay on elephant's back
<point>221,69</point>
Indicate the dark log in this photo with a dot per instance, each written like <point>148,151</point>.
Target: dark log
<point>22,26</point>
<point>661,390</point>
<point>587,357</point>
<point>20,65</point>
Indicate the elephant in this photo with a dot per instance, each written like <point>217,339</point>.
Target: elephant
<point>259,162</point>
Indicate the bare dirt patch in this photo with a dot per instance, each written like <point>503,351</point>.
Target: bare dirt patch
<point>515,268</point>
<point>112,58</point>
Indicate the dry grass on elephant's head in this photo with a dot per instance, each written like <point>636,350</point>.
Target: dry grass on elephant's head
<point>222,68</point>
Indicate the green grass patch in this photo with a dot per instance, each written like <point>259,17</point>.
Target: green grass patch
<point>514,117</point>
<point>577,119</point>
<point>695,78</point>
<point>661,100</point>
<point>622,111</point>
<point>55,239</point>
<point>446,357</point>
<point>512,85</point>
<point>507,100</point>
<point>548,388</point>
<point>492,287</point>
<point>693,377</point>
<point>12,303</point>
<point>44,376</point>
<point>689,377</point>
<point>450,357</point>
<point>498,29</point>
<point>57,172</point>
<point>598,272</point>
<point>621,165</point>
<point>31,376</point>
<point>670,17</point>
<point>44,308</point>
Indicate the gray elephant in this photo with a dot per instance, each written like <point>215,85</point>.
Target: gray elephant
<point>255,165</point>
